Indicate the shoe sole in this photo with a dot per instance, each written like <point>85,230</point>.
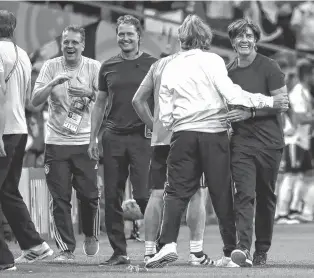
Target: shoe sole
<point>239,258</point>
<point>88,255</point>
<point>46,254</point>
<point>169,258</point>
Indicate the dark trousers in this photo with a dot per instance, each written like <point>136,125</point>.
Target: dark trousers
<point>191,154</point>
<point>11,200</point>
<point>254,173</point>
<point>122,153</point>
<point>67,166</point>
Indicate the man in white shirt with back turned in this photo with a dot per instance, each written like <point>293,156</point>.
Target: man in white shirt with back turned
<point>15,86</point>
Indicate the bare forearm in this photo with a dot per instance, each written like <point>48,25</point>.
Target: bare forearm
<point>264,112</point>
<point>143,111</point>
<point>97,118</point>
<point>41,95</point>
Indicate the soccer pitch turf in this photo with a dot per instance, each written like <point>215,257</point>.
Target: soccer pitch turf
<point>291,255</point>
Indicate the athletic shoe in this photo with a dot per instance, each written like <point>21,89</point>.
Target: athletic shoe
<point>35,253</point>
<point>167,254</point>
<point>203,260</point>
<point>286,220</point>
<point>64,256</point>
<point>304,218</point>
<point>90,246</point>
<point>241,257</point>
<point>117,260</point>
<point>225,262</point>
<point>7,267</point>
<point>147,257</point>
<point>259,258</point>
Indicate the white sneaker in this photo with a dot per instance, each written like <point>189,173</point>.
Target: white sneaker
<point>35,253</point>
<point>167,254</point>
<point>204,260</point>
<point>225,262</point>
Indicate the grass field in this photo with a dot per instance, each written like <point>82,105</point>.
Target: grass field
<point>292,255</point>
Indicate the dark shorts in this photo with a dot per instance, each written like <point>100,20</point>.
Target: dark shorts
<point>297,160</point>
<point>158,168</point>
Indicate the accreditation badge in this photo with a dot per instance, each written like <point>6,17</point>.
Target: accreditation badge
<point>75,116</point>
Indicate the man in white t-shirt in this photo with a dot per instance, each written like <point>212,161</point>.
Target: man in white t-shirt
<point>298,158</point>
<point>161,137</point>
<point>15,76</point>
<point>70,84</point>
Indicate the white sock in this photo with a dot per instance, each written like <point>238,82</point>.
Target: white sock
<point>196,246</point>
<point>150,248</point>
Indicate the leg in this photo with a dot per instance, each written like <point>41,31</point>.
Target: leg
<point>58,177</point>
<point>12,202</point>
<point>196,221</point>
<point>139,152</point>
<point>267,171</point>
<point>184,173</point>
<point>215,153</point>
<point>115,175</point>
<point>85,182</point>
<point>196,214</point>
<point>153,212</point>
<point>244,177</point>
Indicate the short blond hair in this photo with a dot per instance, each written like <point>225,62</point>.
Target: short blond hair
<point>194,33</point>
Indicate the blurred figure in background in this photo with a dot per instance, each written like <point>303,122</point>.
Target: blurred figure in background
<point>298,155</point>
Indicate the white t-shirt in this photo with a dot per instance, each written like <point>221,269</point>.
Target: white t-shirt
<point>300,101</point>
<point>59,100</point>
<point>16,87</point>
<point>303,16</point>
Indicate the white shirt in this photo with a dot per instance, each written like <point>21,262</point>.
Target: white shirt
<point>194,88</point>
<point>303,16</point>
<point>17,87</point>
<point>300,101</point>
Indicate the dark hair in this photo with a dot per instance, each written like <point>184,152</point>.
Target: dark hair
<point>304,69</point>
<point>239,27</point>
<point>75,29</point>
<point>195,33</point>
<point>7,24</point>
<point>130,20</point>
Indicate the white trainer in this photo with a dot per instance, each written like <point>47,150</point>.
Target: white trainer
<point>225,262</point>
<point>167,254</point>
<point>35,253</point>
<point>204,260</point>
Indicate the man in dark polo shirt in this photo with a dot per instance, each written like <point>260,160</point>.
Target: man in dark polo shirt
<point>124,141</point>
<point>256,145</point>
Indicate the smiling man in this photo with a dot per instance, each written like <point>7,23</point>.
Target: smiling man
<point>126,143</point>
<point>70,83</point>
<point>256,145</point>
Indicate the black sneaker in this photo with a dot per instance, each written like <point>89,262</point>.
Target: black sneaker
<point>117,260</point>
<point>259,258</point>
<point>242,257</point>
